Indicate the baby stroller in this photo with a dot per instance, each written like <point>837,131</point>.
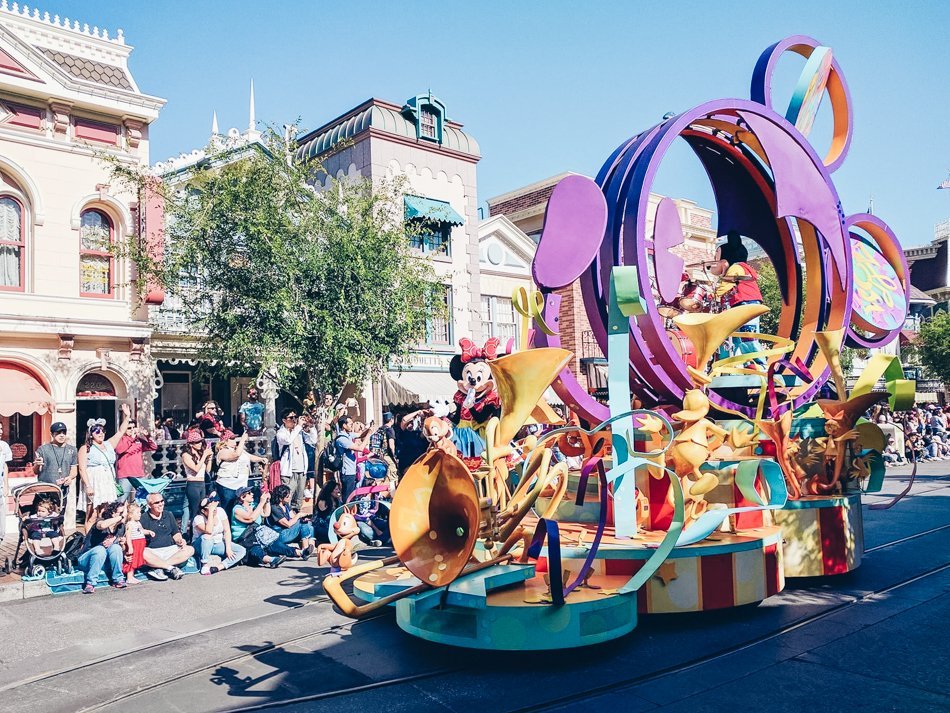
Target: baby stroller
<point>46,545</point>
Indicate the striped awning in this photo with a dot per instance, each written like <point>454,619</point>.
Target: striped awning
<point>416,387</point>
<point>21,392</point>
<point>433,210</point>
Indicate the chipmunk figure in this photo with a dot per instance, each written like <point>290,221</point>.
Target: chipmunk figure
<point>340,556</point>
<point>438,434</point>
<point>477,398</point>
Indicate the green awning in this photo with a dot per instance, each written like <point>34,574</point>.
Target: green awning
<point>429,209</point>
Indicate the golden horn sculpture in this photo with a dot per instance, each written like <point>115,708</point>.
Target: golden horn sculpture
<point>433,522</point>
<point>708,331</point>
<point>521,379</point>
<point>434,517</point>
<point>829,342</point>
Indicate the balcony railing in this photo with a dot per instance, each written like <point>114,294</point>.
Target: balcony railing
<point>166,461</point>
<point>175,314</point>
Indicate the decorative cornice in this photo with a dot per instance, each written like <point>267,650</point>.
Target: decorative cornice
<point>74,27</point>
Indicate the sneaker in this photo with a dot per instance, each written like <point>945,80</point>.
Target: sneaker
<point>175,573</point>
<point>119,584</point>
<point>276,562</point>
<point>157,574</point>
<point>209,570</point>
<point>376,543</point>
<point>89,588</point>
<point>305,555</point>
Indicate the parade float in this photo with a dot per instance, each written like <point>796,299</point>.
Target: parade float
<point>724,459</point>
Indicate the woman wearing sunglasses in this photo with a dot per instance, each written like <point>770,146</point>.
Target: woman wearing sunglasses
<point>97,463</point>
<point>196,461</point>
<point>212,535</point>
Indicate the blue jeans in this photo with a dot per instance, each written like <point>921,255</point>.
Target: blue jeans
<point>349,485</point>
<point>208,547</point>
<point>92,561</point>
<point>227,497</point>
<point>297,531</point>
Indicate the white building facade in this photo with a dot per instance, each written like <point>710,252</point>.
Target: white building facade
<point>74,341</point>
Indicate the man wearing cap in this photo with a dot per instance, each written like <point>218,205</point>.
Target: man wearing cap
<point>57,462</point>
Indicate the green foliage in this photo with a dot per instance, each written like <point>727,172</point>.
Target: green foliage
<point>318,288</point>
<point>771,296</point>
<point>934,346</point>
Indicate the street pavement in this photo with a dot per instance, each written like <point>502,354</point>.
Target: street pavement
<point>249,639</point>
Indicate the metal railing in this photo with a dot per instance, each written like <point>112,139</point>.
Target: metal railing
<point>166,461</point>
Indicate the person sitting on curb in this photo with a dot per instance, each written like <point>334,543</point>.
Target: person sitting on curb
<point>102,545</point>
<point>247,527</point>
<point>289,523</point>
<point>166,549</point>
<point>212,531</point>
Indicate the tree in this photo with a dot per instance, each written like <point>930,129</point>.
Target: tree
<point>317,288</point>
<point>771,296</point>
<point>934,346</point>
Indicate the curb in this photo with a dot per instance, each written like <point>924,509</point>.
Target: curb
<point>14,591</point>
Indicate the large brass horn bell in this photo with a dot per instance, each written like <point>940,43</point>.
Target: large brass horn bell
<point>435,517</point>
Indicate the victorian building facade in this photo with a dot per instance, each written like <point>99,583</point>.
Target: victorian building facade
<point>74,341</point>
<point>417,143</point>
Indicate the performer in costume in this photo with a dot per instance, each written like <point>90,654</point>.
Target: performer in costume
<point>738,285</point>
<point>477,398</point>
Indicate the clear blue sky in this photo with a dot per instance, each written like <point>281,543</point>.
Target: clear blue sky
<point>552,86</point>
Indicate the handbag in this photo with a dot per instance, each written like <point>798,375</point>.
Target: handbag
<point>265,535</point>
<point>247,538</point>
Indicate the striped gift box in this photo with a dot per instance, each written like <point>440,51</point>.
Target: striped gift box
<point>823,535</point>
<point>729,571</point>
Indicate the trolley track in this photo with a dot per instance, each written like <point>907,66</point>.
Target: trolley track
<point>410,678</point>
<point>622,684</point>
<point>607,688</point>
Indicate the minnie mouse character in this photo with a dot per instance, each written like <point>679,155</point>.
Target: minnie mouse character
<point>477,398</point>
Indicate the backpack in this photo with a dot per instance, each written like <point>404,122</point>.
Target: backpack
<point>276,451</point>
<point>331,459</point>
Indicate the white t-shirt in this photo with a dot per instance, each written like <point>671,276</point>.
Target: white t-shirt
<point>6,455</point>
<point>234,474</point>
<point>217,532</point>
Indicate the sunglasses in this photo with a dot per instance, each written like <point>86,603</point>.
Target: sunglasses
<point>290,418</point>
<point>157,502</point>
<point>97,429</point>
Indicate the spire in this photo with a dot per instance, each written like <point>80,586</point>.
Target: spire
<point>252,134</point>
<point>214,123</point>
<point>252,120</point>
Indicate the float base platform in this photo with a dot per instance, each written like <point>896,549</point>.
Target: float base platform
<point>505,608</point>
<point>824,534</point>
<point>724,570</point>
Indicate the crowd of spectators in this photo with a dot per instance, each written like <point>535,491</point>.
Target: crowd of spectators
<point>226,521</point>
<point>921,433</point>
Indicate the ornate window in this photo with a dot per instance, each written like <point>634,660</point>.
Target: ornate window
<point>12,244</point>
<point>498,318</point>
<point>96,263</point>
<point>439,327</point>
<point>430,237</point>
<point>428,123</point>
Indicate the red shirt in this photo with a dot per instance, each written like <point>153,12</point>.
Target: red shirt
<point>129,451</point>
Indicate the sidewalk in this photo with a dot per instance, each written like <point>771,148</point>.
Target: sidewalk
<point>13,587</point>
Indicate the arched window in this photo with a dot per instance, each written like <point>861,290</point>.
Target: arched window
<point>96,264</point>
<point>12,244</point>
